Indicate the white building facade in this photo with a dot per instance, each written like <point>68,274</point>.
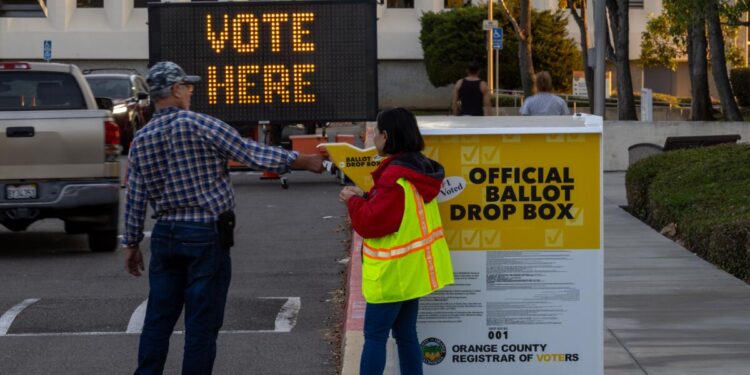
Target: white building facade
<point>114,33</point>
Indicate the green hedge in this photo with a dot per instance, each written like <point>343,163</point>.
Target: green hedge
<point>706,193</point>
<point>740,78</point>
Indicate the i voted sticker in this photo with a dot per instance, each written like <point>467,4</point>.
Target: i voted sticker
<point>451,188</point>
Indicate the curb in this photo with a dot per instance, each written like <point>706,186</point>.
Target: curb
<point>354,313</point>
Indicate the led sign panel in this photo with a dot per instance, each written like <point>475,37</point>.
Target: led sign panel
<point>279,61</point>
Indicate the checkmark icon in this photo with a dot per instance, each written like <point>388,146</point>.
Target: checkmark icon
<point>577,217</point>
<point>553,238</point>
<point>470,239</point>
<point>490,239</point>
<point>490,155</point>
<point>452,238</point>
<point>575,138</point>
<point>469,155</point>
<point>514,138</point>
<point>555,138</point>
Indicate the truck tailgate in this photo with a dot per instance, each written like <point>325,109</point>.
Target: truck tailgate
<point>54,144</point>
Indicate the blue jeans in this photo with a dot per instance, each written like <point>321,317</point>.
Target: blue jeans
<point>380,318</point>
<point>188,267</point>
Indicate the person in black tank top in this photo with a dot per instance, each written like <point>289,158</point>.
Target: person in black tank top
<point>471,95</point>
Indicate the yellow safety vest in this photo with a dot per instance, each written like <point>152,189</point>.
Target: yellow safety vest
<point>411,262</point>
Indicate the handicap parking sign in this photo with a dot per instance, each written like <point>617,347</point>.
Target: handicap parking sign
<point>47,50</point>
<point>497,38</point>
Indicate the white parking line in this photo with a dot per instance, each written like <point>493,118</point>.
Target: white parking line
<point>58,334</point>
<point>135,325</point>
<point>7,319</point>
<point>286,319</point>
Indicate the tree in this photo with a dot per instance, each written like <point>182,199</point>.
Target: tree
<point>578,11</point>
<point>452,38</point>
<point>681,30</point>
<point>701,108</point>
<point>523,32</point>
<point>719,63</point>
<point>734,11</point>
<point>619,22</point>
<point>668,38</point>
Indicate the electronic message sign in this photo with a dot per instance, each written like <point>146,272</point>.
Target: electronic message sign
<point>278,61</point>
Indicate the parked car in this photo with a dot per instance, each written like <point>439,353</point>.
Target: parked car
<point>129,93</point>
<point>59,150</point>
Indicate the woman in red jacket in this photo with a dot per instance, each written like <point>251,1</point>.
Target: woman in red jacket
<point>405,255</point>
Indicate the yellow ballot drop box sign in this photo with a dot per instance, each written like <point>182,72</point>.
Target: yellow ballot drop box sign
<point>354,162</point>
<point>519,191</point>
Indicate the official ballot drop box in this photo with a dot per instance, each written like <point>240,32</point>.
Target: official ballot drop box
<point>521,206</point>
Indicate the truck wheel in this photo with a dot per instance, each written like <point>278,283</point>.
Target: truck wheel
<point>72,227</point>
<point>103,240</point>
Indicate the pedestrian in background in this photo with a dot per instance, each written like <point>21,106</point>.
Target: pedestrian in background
<point>471,95</point>
<point>178,164</point>
<point>544,103</point>
<point>405,255</point>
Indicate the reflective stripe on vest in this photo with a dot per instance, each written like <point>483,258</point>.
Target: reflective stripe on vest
<point>399,251</point>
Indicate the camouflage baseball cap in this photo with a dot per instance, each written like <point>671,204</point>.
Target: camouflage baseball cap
<point>165,74</point>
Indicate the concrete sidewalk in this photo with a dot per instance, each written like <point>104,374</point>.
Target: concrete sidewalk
<point>666,311</point>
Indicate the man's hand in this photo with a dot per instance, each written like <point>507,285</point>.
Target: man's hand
<point>311,162</point>
<point>134,261</point>
<point>349,191</point>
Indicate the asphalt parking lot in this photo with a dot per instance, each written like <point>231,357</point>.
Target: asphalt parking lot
<point>66,310</point>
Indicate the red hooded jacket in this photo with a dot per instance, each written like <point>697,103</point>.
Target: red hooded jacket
<point>379,213</point>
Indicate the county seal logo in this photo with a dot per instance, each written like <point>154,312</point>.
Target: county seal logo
<point>433,351</point>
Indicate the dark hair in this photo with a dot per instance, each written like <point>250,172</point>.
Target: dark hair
<point>473,67</point>
<point>401,127</point>
<point>543,81</point>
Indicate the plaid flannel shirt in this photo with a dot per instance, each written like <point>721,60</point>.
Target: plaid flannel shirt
<point>178,163</point>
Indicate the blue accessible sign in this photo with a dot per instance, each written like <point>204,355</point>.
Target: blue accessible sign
<point>47,50</point>
<point>497,38</point>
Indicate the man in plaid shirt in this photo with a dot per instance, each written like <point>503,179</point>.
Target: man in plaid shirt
<point>177,163</point>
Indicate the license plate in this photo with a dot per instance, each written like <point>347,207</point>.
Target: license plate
<point>17,192</point>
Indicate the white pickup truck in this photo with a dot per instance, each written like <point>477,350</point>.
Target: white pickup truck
<point>58,152</point>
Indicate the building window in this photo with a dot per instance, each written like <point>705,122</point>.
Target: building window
<point>89,3</point>
<point>455,3</point>
<point>23,8</point>
<point>638,4</point>
<point>400,3</point>
<point>144,3</point>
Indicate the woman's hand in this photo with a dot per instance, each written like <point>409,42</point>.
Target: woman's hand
<point>348,192</point>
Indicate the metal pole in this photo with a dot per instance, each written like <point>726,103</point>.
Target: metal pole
<point>600,45</point>
<point>490,15</point>
<point>497,80</point>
